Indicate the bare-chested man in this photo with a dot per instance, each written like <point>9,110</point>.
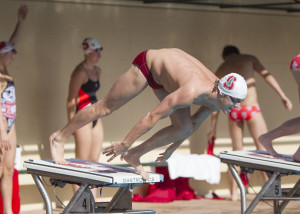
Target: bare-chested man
<point>249,112</point>
<point>178,80</point>
<point>289,127</point>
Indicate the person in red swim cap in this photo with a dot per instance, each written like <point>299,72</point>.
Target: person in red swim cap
<point>84,83</point>
<point>289,127</point>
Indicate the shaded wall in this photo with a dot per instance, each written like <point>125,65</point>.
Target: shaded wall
<point>50,49</point>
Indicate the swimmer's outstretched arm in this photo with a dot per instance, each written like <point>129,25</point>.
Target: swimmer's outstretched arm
<point>181,98</point>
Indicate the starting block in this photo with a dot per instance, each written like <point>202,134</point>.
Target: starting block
<point>276,167</point>
<point>88,175</point>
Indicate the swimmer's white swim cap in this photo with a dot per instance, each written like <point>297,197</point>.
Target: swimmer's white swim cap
<point>90,44</point>
<point>233,85</point>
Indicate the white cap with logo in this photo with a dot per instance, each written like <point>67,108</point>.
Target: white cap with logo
<point>6,47</point>
<point>233,85</point>
<point>90,44</point>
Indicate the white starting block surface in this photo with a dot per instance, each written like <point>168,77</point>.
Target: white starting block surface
<point>274,166</point>
<point>90,174</point>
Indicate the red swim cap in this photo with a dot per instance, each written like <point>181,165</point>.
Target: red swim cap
<point>295,63</point>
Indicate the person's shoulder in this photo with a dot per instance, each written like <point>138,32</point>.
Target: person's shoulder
<point>98,68</point>
<point>5,77</point>
<point>79,71</point>
<point>249,56</point>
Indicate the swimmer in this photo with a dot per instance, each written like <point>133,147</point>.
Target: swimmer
<point>84,83</point>
<point>178,80</point>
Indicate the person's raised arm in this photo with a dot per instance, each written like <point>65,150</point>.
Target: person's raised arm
<point>259,68</point>
<point>22,14</point>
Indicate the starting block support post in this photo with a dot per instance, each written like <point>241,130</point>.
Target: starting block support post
<point>43,192</point>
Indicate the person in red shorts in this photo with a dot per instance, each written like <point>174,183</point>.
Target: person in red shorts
<point>178,80</point>
<point>249,112</point>
<point>289,127</point>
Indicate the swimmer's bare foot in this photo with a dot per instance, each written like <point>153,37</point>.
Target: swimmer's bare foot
<point>8,212</point>
<point>57,149</point>
<point>134,161</point>
<point>267,143</point>
<point>234,197</point>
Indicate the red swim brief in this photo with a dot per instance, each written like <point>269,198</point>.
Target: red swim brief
<point>141,63</point>
<point>244,112</point>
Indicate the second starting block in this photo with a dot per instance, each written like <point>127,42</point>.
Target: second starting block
<point>276,167</point>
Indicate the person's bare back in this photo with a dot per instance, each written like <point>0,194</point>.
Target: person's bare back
<point>167,66</point>
<point>245,65</point>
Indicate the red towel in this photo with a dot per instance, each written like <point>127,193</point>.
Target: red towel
<point>167,191</point>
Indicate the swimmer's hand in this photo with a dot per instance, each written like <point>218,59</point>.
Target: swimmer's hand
<point>163,157</point>
<point>287,103</point>
<point>115,149</point>
<point>22,13</point>
<point>4,141</point>
<point>57,148</point>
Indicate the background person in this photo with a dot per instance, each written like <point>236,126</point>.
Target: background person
<point>84,83</point>
<point>249,112</point>
<point>289,127</point>
<point>8,139</point>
